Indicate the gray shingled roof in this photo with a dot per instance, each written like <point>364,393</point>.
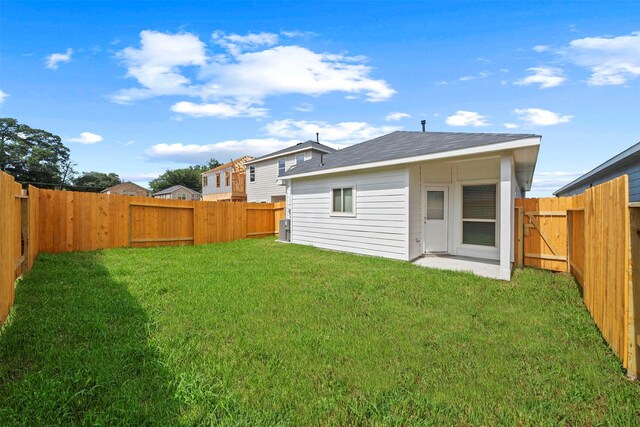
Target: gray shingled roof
<point>298,146</point>
<point>402,144</point>
<point>174,188</point>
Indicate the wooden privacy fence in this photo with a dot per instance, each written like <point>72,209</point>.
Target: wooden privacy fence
<point>64,221</point>
<point>590,236</point>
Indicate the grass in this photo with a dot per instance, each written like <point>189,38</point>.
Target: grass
<point>260,333</point>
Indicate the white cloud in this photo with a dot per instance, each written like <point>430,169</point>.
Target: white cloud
<point>466,118</point>
<point>220,110</point>
<point>157,64</point>
<point>540,117</point>
<point>336,135</point>
<point>86,138</point>
<point>55,58</point>
<point>481,75</point>
<point>541,48</point>
<point>236,43</point>
<point>611,60</point>
<point>3,97</point>
<point>194,153</point>
<point>251,68</point>
<point>395,116</point>
<point>305,107</point>
<point>140,177</point>
<point>279,134</point>
<point>546,77</point>
<point>545,183</point>
<point>511,125</point>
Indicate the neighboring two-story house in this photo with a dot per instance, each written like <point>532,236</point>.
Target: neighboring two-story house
<point>226,182</point>
<point>263,173</point>
<point>177,192</point>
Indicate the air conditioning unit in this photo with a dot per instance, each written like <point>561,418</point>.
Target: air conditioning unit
<point>285,230</point>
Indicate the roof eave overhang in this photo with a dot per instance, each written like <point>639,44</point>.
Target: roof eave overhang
<point>286,154</point>
<point>532,142</point>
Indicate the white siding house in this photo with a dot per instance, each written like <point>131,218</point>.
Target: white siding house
<point>262,174</point>
<point>456,201</point>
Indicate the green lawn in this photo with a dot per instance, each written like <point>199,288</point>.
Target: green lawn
<point>256,332</point>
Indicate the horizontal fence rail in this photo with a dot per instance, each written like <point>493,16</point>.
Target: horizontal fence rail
<point>64,221</point>
<point>589,236</point>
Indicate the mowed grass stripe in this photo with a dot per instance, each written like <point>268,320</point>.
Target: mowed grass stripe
<point>256,332</point>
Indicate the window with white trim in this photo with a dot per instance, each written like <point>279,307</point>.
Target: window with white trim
<point>342,200</point>
<point>182,196</point>
<point>281,166</point>
<point>479,207</point>
<point>252,174</point>
<point>299,158</point>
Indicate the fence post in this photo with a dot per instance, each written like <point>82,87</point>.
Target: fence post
<point>633,305</point>
<point>24,231</point>
<point>569,238</point>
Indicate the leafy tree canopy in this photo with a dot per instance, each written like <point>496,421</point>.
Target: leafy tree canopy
<point>96,181</point>
<point>33,155</point>
<point>189,177</point>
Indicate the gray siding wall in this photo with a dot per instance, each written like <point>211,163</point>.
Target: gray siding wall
<point>265,186</point>
<point>631,169</point>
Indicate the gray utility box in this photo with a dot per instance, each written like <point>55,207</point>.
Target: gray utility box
<point>285,230</point>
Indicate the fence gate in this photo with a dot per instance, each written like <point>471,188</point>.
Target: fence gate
<point>160,225</point>
<point>542,233</point>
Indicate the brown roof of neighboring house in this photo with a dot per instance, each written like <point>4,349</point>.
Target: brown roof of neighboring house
<point>126,183</point>
<point>235,162</point>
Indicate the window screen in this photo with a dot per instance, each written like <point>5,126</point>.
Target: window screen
<point>479,202</point>
<point>281,167</point>
<point>479,215</point>
<point>252,174</point>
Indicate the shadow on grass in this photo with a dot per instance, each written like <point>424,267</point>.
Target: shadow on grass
<point>75,349</point>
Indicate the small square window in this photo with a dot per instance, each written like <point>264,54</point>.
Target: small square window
<point>342,200</point>
<point>299,158</point>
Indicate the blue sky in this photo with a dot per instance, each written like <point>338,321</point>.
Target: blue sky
<point>139,87</point>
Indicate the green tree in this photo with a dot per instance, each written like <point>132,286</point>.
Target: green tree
<point>189,177</point>
<point>33,155</point>
<point>96,181</point>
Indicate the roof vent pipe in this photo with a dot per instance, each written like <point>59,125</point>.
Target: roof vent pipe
<point>424,125</point>
<point>318,137</point>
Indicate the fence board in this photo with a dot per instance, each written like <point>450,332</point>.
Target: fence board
<point>590,231</point>
<point>11,240</point>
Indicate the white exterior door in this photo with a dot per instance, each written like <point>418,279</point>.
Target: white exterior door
<point>436,202</point>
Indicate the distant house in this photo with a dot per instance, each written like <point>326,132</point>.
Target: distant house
<point>263,173</point>
<point>226,182</point>
<point>177,192</point>
<point>405,195</point>
<point>127,189</point>
<point>627,162</point>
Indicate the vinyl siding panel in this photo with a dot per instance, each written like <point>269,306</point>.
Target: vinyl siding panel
<point>379,227</point>
<point>415,212</point>
<point>630,167</point>
<point>265,186</point>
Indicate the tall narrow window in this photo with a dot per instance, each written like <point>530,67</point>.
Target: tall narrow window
<point>281,167</point>
<point>342,200</point>
<point>205,181</point>
<point>218,180</point>
<point>479,215</point>
<point>252,174</point>
<point>227,178</point>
